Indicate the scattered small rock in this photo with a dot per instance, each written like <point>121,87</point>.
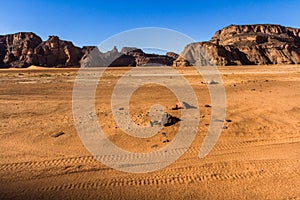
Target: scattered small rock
<point>121,108</point>
<point>55,135</point>
<point>188,106</point>
<point>169,120</point>
<point>167,140</point>
<point>155,122</point>
<point>207,106</point>
<point>218,120</point>
<point>178,106</point>
<point>228,120</point>
<point>212,82</point>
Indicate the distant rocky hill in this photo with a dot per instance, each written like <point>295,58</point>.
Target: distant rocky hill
<point>128,56</point>
<point>26,48</point>
<point>245,45</point>
<point>233,45</point>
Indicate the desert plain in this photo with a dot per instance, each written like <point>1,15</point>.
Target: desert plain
<point>256,157</point>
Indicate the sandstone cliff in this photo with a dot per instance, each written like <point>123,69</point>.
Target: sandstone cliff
<point>56,52</point>
<point>128,56</point>
<point>245,45</point>
<point>233,45</point>
<point>17,49</point>
<point>25,49</point>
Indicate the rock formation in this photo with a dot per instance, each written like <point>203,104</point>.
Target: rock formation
<point>233,45</point>
<point>136,57</point>
<point>56,52</point>
<point>18,49</point>
<point>25,49</point>
<point>129,56</point>
<point>245,45</point>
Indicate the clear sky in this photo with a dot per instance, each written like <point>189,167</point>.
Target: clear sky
<point>92,21</point>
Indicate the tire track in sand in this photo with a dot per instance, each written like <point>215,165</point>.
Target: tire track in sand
<point>185,177</point>
<point>91,160</point>
<point>177,176</point>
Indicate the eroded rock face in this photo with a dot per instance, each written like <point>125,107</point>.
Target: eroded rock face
<point>130,56</point>
<point>154,60</point>
<point>56,52</point>
<point>233,45</point>
<point>246,45</point>
<point>25,49</point>
<point>16,50</point>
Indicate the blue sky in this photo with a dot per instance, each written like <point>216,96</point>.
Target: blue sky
<point>92,21</point>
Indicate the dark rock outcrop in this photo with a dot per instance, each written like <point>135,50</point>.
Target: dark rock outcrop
<point>172,55</point>
<point>129,56</point>
<point>94,58</point>
<point>123,60</point>
<point>25,49</point>
<point>233,45</point>
<point>246,45</point>
<point>56,52</point>
<point>136,57</point>
<point>154,60</point>
<point>17,50</point>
